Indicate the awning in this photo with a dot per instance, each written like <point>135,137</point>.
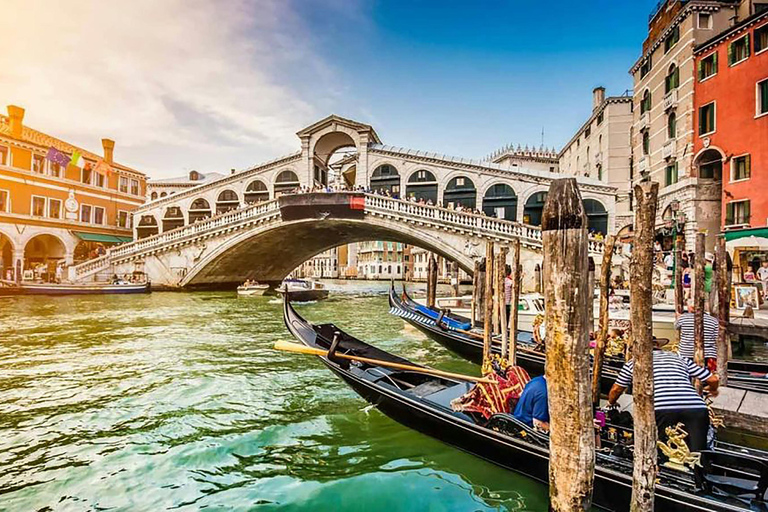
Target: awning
<point>99,237</point>
<point>744,233</point>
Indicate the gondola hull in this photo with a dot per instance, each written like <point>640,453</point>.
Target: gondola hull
<point>612,489</point>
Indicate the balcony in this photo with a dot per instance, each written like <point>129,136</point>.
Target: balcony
<point>670,100</point>
<point>643,165</point>
<point>669,150</point>
<point>645,121</point>
<point>599,159</point>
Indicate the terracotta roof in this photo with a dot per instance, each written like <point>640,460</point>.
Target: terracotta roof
<point>38,138</point>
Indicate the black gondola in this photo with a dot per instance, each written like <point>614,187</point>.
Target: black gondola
<point>422,402</point>
<point>741,374</point>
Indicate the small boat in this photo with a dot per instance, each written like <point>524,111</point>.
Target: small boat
<point>304,290</point>
<point>730,479</point>
<point>249,289</point>
<point>752,376</point>
<point>113,288</point>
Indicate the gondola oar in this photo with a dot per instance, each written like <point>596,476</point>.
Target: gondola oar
<point>303,349</point>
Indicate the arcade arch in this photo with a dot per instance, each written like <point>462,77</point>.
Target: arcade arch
<point>327,154</point>
<point>227,201</point>
<point>500,201</point>
<point>460,191</point>
<point>44,250</point>
<point>597,216</point>
<point>534,207</point>
<point>385,178</point>
<point>199,210</point>
<point>173,218</point>
<point>709,164</point>
<point>147,226</point>
<point>256,192</point>
<point>422,185</point>
<point>286,182</point>
<point>6,257</point>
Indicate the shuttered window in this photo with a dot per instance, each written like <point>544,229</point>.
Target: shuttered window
<point>737,213</point>
<point>761,38</point>
<point>741,168</point>
<point>738,50</point>
<point>762,97</point>
<point>707,66</point>
<point>707,119</point>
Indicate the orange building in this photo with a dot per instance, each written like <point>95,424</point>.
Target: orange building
<point>59,204</point>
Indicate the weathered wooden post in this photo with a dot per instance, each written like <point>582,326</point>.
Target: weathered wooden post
<point>724,308</point>
<point>602,334</point>
<point>516,278</point>
<point>488,301</point>
<point>572,433</point>
<point>699,300</point>
<point>476,293</point>
<point>455,277</point>
<point>591,302</point>
<point>641,297</point>
<point>431,281</point>
<point>679,290</point>
<point>501,270</point>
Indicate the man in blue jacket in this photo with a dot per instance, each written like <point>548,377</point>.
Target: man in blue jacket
<point>532,408</point>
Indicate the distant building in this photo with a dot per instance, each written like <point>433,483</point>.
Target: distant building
<point>665,128</point>
<point>380,260</point>
<point>601,149</point>
<point>324,265</point>
<point>541,159</point>
<point>421,258</point>
<point>731,122</point>
<point>157,188</point>
<point>59,203</point>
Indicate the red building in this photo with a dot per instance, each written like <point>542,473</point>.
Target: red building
<point>731,122</point>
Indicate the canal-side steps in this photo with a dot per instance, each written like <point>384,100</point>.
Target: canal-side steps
<point>268,212</point>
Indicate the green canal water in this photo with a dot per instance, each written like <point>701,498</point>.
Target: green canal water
<point>176,401</point>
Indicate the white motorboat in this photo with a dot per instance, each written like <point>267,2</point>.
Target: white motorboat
<point>249,289</point>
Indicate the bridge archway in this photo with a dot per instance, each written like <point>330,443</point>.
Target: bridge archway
<point>597,216</point>
<point>534,207</point>
<point>199,210</point>
<point>147,226</point>
<point>173,218</point>
<point>286,182</point>
<point>227,200</point>
<point>44,249</point>
<point>422,185</point>
<point>386,178</point>
<point>460,191</point>
<point>256,192</point>
<point>500,201</point>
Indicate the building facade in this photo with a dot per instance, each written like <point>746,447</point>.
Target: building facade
<point>157,188</point>
<point>601,149</point>
<point>59,204</point>
<point>731,119</point>
<point>664,128</point>
<point>380,260</point>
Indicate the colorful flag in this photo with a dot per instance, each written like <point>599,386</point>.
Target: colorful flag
<point>103,168</point>
<point>57,157</point>
<point>76,158</point>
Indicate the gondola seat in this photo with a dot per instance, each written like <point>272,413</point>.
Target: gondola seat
<point>731,474</point>
<point>508,424</point>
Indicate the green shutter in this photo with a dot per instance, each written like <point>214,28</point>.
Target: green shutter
<point>730,54</point>
<point>764,97</point>
<point>748,166</point>
<point>729,214</point>
<point>747,213</point>
<point>746,43</point>
<point>714,62</point>
<point>700,70</point>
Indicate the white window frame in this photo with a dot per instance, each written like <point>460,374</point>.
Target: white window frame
<point>44,170</point>
<point>50,170</point>
<point>714,119</point>
<point>732,166</point>
<point>82,174</point>
<point>138,187</point>
<point>757,98</point>
<point>80,214</point>
<point>734,211</point>
<point>103,215</point>
<point>749,50</point>
<point>32,206</point>
<point>698,21</point>
<point>8,200</point>
<point>754,39</point>
<point>95,180</point>
<point>127,219</point>
<point>50,201</point>
<point>120,184</point>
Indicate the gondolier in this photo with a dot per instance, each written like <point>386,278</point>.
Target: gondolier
<point>674,398</point>
<point>685,324</point>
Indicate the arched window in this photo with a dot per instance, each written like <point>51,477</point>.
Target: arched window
<point>173,218</point>
<point>500,201</point>
<point>597,216</point>
<point>153,196</point>
<point>710,164</point>
<point>534,208</point>
<point>163,194</point>
<point>460,191</point>
<point>386,179</point>
<point>422,186</point>
<point>147,226</point>
<point>227,201</point>
<point>256,192</point>
<point>286,182</point>
<point>672,81</point>
<point>672,126</point>
<point>199,210</point>
<point>645,103</point>
<point>646,142</point>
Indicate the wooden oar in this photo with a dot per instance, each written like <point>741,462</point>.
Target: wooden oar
<point>303,349</point>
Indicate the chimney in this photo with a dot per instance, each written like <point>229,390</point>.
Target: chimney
<point>598,97</point>
<point>16,116</point>
<point>232,171</point>
<point>109,149</point>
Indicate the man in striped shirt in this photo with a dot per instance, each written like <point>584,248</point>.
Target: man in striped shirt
<point>674,398</point>
<point>685,323</point>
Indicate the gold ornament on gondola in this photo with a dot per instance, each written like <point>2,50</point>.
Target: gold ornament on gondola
<point>715,419</point>
<point>677,450</point>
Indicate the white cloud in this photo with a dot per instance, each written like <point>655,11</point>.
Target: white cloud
<point>177,83</point>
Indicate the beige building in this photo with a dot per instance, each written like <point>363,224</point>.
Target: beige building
<point>162,187</point>
<point>541,159</point>
<point>663,128</point>
<point>601,149</point>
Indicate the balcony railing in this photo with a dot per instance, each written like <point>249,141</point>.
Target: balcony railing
<point>670,99</point>
<point>669,149</point>
<point>645,120</point>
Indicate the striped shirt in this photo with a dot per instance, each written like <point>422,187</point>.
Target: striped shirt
<point>711,329</point>
<point>672,388</point>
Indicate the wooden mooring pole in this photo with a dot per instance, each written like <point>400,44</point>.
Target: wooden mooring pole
<point>476,293</point>
<point>602,334</point>
<point>641,297</point>
<point>724,309</point>
<point>699,300</point>
<point>455,278</point>
<point>501,274</point>
<point>679,290</point>
<point>517,272</point>
<point>566,292</point>
<point>488,302</point>
<point>431,281</point>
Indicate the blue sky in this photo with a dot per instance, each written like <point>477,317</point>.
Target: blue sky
<point>219,84</point>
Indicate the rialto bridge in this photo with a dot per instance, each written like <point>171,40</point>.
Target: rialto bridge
<point>225,231</point>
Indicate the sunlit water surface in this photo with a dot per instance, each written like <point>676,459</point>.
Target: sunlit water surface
<point>176,401</point>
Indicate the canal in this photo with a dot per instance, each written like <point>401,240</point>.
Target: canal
<point>177,401</point>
